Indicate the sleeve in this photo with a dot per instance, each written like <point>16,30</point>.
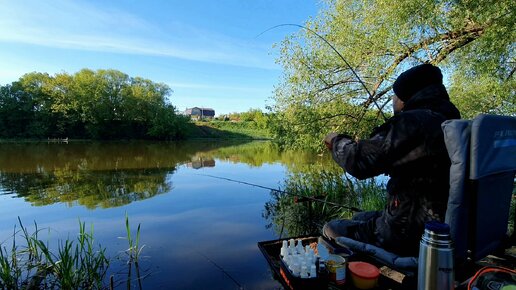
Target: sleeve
<point>376,155</point>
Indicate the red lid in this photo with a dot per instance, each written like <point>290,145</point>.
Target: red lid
<point>364,270</point>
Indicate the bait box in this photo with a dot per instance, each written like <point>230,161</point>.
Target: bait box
<point>271,252</point>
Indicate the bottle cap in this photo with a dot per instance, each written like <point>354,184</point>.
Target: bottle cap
<point>437,227</point>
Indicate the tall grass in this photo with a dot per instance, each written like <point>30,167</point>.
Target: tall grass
<point>133,253</point>
<point>76,264</point>
<point>26,262</point>
<point>295,216</point>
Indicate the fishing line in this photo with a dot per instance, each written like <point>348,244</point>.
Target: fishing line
<point>240,287</point>
<point>371,97</point>
<point>351,208</point>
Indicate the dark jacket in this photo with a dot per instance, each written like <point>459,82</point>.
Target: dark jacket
<point>409,148</point>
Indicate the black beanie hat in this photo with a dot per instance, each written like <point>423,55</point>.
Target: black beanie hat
<point>415,79</point>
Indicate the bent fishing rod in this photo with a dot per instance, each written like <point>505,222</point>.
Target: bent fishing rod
<point>351,208</point>
<point>371,97</point>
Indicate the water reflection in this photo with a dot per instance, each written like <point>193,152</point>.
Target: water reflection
<point>88,188</point>
<point>44,157</point>
<point>189,217</point>
<point>101,174</point>
<point>111,174</point>
<point>200,162</point>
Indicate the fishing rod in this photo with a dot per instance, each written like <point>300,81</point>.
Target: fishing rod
<point>309,198</point>
<point>371,97</point>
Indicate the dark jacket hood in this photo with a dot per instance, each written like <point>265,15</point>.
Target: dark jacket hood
<point>434,98</point>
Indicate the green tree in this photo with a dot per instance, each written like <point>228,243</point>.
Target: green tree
<point>25,107</point>
<point>102,104</point>
<point>65,106</point>
<point>472,41</point>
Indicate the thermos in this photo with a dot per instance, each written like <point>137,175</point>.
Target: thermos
<point>435,264</point>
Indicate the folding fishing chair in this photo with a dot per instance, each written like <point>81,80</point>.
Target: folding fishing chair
<point>482,172</point>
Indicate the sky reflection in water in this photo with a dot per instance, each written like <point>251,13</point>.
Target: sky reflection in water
<point>186,218</point>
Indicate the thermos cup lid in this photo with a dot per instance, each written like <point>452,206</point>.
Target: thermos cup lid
<point>437,227</point>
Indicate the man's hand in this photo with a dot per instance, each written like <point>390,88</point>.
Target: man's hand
<point>328,140</point>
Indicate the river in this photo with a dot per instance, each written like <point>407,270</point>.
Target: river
<point>198,231</point>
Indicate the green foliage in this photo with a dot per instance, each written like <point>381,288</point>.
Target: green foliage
<point>231,130</point>
<point>304,127</point>
<point>165,124</point>
<point>472,41</point>
<point>252,115</point>
<point>102,104</point>
<point>133,253</point>
<point>290,217</point>
<point>76,264</point>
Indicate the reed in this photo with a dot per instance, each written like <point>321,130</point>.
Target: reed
<point>297,216</point>
<point>133,252</point>
<point>31,264</point>
<point>134,249</point>
<point>340,189</point>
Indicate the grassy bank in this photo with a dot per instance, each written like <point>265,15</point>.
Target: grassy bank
<point>227,130</point>
<point>214,129</point>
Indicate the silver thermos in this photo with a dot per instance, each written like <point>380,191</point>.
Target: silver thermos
<point>435,264</point>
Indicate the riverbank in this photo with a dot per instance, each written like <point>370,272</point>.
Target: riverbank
<point>194,130</point>
<point>227,130</point>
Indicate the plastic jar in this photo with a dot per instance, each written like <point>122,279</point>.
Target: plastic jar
<point>364,275</point>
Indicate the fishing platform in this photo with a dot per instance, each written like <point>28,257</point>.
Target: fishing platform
<point>388,279</point>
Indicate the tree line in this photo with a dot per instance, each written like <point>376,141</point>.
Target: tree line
<point>102,104</point>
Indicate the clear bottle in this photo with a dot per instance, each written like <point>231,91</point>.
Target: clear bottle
<point>313,271</point>
<point>304,271</point>
<point>284,249</point>
<point>299,247</point>
<point>435,264</point>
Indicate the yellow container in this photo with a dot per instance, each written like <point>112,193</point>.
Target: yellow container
<point>364,275</point>
<point>336,265</point>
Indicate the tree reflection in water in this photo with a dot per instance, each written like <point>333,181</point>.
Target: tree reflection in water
<point>108,174</point>
<point>293,216</point>
<point>88,188</point>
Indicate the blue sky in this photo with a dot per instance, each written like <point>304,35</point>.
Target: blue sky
<point>208,52</point>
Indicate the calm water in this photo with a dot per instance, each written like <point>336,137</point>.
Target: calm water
<point>189,221</point>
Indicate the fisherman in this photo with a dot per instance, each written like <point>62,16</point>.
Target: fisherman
<point>409,147</point>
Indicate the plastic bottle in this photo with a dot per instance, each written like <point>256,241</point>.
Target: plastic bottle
<point>313,271</point>
<point>304,271</point>
<point>299,247</point>
<point>284,249</point>
<point>296,269</point>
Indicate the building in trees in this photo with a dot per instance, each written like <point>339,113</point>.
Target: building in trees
<point>200,113</point>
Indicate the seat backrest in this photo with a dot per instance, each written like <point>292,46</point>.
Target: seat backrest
<point>483,165</point>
